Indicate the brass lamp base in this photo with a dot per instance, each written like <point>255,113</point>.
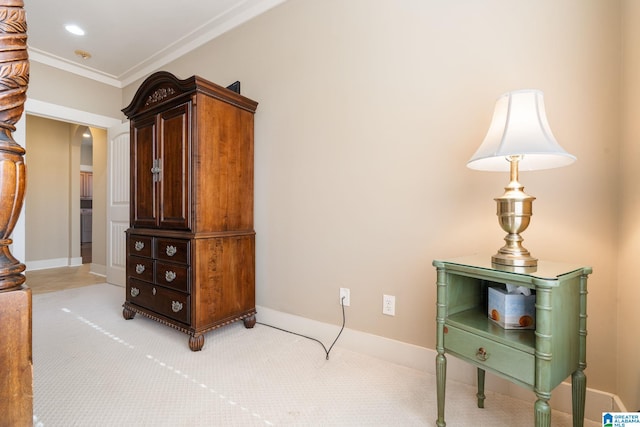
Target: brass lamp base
<point>514,210</point>
<point>514,260</point>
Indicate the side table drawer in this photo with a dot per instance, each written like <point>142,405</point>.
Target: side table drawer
<point>490,354</point>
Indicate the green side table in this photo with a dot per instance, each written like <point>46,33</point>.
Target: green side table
<point>537,359</point>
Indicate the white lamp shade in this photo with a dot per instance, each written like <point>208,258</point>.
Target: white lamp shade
<point>519,128</point>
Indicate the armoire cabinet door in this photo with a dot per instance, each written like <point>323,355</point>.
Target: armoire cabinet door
<point>143,153</point>
<point>160,170</point>
<point>173,152</point>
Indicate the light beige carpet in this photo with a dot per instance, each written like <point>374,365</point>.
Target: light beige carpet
<point>93,368</point>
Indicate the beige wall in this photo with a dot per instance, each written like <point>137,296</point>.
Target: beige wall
<point>368,113</point>
<point>51,85</point>
<point>48,197</point>
<point>628,292</point>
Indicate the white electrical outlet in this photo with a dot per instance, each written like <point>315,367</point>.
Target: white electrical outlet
<point>389,305</point>
<point>346,294</point>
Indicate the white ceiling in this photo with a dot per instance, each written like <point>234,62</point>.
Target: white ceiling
<point>127,39</point>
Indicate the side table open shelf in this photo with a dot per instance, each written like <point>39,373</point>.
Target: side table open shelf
<point>537,359</point>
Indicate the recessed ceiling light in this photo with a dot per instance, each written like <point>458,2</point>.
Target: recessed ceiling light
<point>74,29</point>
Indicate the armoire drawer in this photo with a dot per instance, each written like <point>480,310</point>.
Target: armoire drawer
<point>172,250</point>
<point>174,276</point>
<point>140,246</point>
<point>140,268</point>
<point>491,354</point>
<point>166,302</point>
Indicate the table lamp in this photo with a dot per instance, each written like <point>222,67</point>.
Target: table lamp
<point>519,138</point>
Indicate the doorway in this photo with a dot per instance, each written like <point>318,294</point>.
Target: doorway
<point>57,112</point>
<point>63,194</point>
<point>55,200</point>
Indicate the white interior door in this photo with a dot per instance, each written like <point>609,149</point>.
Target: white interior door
<point>117,202</point>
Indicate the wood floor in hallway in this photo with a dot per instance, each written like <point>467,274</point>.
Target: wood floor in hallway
<point>57,279</point>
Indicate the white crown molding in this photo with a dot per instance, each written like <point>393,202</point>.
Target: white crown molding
<point>219,25</point>
<point>216,27</point>
<point>71,67</point>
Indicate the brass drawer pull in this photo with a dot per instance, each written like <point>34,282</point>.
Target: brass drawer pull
<point>135,292</point>
<point>171,250</point>
<point>140,268</point>
<point>170,276</point>
<point>482,354</point>
<point>176,306</point>
<point>139,245</point>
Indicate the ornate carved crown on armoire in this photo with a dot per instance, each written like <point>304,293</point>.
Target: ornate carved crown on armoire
<point>191,242</point>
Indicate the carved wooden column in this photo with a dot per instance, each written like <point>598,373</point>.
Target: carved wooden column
<point>16,381</point>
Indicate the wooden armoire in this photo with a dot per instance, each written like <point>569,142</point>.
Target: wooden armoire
<point>191,242</point>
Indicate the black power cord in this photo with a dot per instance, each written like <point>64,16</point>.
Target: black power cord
<point>311,338</point>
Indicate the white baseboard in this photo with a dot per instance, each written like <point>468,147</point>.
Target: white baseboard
<point>423,359</point>
<point>97,269</point>
<point>596,401</point>
<point>618,406</point>
<point>47,263</point>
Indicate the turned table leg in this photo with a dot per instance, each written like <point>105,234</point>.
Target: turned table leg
<point>441,376</point>
<point>578,395</point>
<point>480,395</point>
<point>542,410</point>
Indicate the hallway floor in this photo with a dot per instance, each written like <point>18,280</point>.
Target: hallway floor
<point>57,279</point>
